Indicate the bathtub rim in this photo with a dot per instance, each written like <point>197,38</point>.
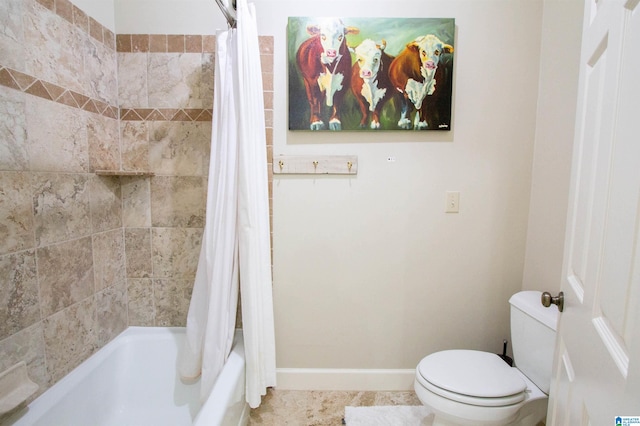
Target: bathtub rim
<point>211,412</point>
<point>39,407</point>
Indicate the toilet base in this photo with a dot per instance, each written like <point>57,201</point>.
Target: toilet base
<point>439,421</point>
<point>450,413</point>
<point>532,419</point>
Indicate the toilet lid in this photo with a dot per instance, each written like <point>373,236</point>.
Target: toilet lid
<point>473,373</point>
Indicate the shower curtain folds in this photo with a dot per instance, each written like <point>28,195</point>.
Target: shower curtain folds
<point>236,249</point>
<point>253,214</point>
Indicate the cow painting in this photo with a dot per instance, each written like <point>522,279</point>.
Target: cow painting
<point>413,73</point>
<point>370,74</point>
<point>370,82</point>
<point>324,62</point>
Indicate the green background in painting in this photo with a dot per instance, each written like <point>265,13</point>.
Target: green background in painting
<point>397,32</point>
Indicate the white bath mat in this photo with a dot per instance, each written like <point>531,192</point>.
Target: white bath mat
<point>391,415</point>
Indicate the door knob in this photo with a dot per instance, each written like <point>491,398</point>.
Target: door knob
<point>547,300</point>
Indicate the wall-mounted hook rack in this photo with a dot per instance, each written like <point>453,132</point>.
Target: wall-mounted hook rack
<point>315,164</point>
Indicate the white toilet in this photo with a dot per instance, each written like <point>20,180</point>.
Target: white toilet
<point>466,387</point>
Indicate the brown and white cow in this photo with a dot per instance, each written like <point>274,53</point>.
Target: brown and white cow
<point>370,82</point>
<point>325,64</point>
<point>413,73</point>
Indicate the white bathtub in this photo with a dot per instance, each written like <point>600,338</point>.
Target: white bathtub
<point>133,381</point>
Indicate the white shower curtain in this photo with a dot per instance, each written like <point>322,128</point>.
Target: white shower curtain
<point>253,214</point>
<point>235,244</point>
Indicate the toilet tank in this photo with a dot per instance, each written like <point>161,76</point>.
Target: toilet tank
<point>533,337</point>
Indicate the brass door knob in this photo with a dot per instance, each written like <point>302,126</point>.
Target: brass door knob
<point>547,300</point>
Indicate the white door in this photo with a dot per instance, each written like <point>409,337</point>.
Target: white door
<point>597,363</point>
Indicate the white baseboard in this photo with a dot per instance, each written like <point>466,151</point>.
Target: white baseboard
<point>344,379</point>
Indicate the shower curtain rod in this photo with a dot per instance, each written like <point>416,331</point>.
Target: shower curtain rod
<point>231,20</point>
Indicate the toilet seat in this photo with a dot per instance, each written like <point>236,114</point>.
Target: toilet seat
<point>471,377</point>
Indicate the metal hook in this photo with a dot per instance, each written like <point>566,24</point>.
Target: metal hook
<point>315,164</point>
<point>281,164</point>
<point>349,165</point>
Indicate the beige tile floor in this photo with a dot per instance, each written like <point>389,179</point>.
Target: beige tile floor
<point>319,408</point>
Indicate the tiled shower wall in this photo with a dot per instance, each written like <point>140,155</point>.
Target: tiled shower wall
<point>165,99</point>
<point>84,255</point>
<point>165,87</point>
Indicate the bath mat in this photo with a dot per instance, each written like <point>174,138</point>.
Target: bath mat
<point>388,415</point>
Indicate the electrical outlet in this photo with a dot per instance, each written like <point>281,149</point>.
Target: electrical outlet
<point>453,202</point>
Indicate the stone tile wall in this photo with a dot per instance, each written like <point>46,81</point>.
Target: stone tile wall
<point>62,266</point>
<point>165,100</point>
<point>165,93</point>
<point>81,255</point>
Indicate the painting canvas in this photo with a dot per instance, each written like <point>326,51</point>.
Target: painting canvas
<point>370,73</point>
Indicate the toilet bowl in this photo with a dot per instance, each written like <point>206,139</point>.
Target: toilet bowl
<point>465,387</point>
<point>469,387</point>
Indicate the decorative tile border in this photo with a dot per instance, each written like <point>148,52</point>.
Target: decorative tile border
<point>43,89</point>
<point>75,16</point>
<point>166,114</point>
<point>52,92</point>
<point>165,43</point>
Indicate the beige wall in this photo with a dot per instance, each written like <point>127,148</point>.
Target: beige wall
<point>561,36</point>
<point>168,16</point>
<point>369,272</point>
